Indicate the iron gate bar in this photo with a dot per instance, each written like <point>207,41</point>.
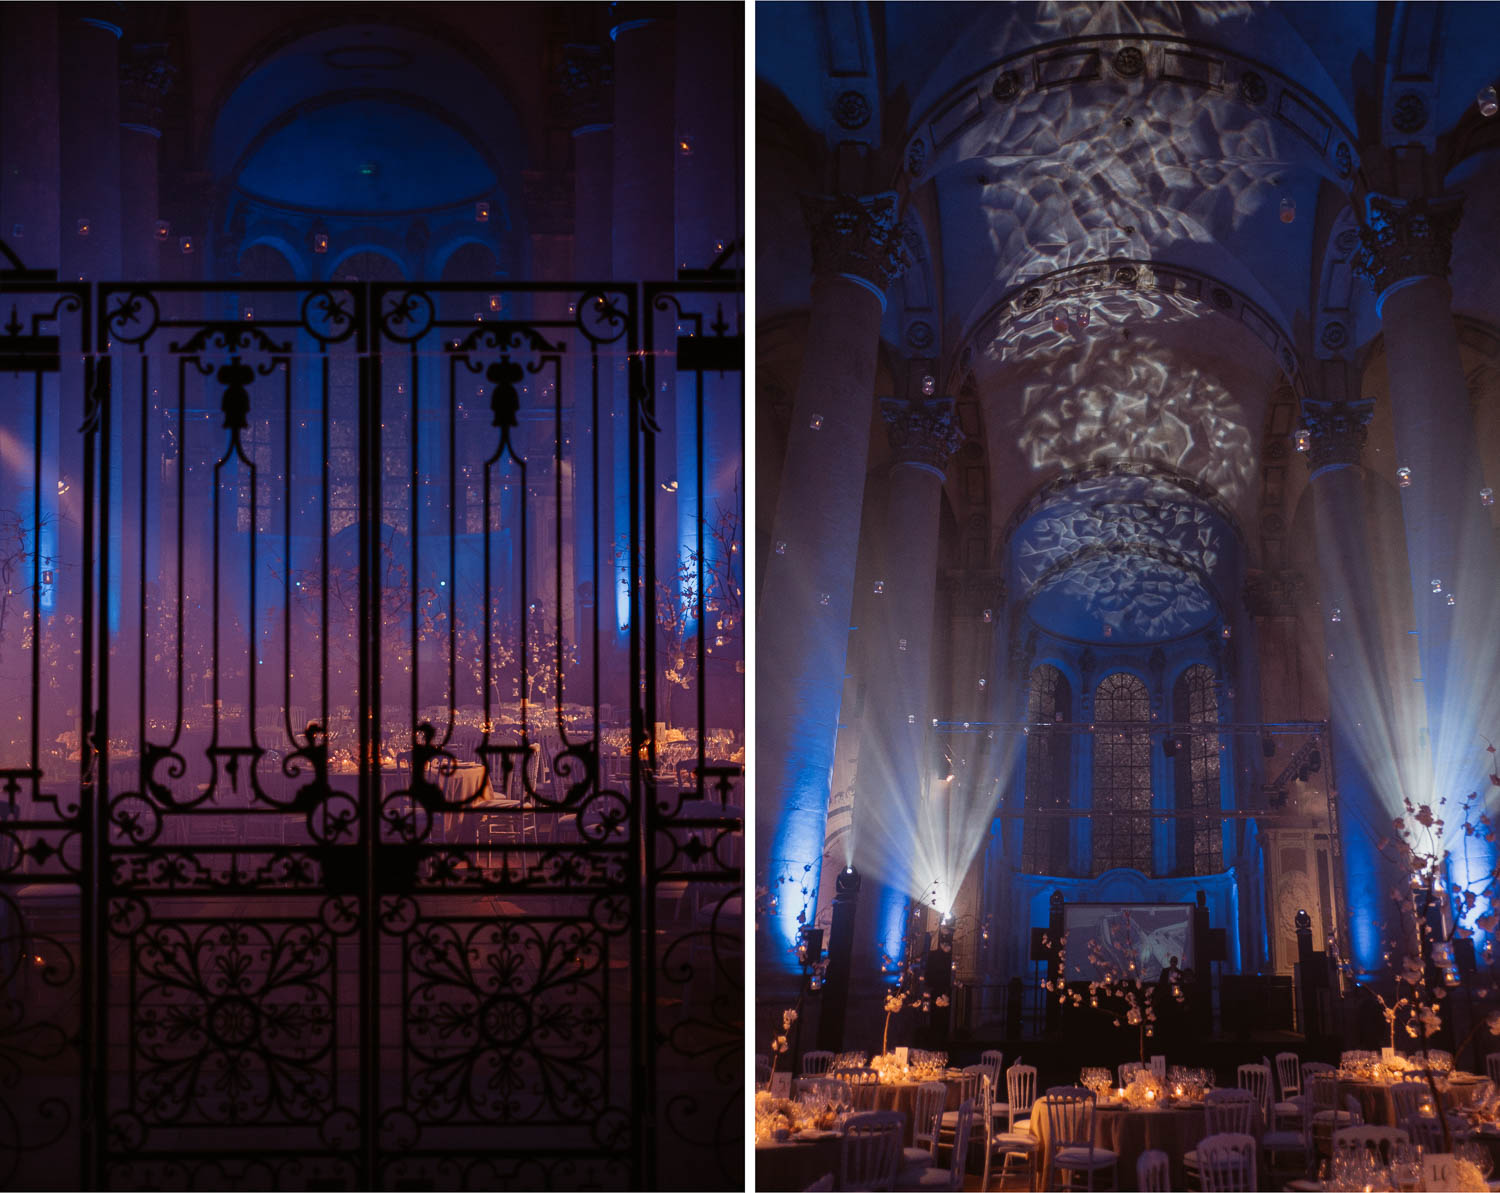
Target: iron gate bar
<point>122,861</point>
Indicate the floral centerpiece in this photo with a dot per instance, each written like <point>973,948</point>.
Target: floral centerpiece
<point>776,1118</point>
<point>1145,1090</point>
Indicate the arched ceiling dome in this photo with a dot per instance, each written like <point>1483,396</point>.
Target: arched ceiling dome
<point>1122,554</point>
<point>368,118</point>
<point>367,155</point>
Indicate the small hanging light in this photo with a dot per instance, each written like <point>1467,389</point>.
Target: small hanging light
<point>1403,475</point>
<point>816,422</point>
<point>1059,320</point>
<point>1337,615</point>
<point>1489,100</point>
<point>1486,497</point>
<point>1437,585</point>
<point>1303,438</point>
<point>929,386</point>
<point>1452,600</point>
<point>1288,209</point>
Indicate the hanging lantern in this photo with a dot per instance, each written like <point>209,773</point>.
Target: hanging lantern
<point>1288,209</point>
<point>1489,100</point>
<point>1486,497</point>
<point>1403,475</point>
<point>1303,438</point>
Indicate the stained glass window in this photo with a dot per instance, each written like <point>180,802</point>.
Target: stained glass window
<point>1195,699</point>
<point>1122,775</point>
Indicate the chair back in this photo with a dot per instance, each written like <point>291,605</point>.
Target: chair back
<point>1407,1099</point>
<point>1351,1141</point>
<point>967,1082</point>
<point>1309,1067</point>
<point>1492,1067</point>
<point>1288,1075</point>
<point>1153,1172</point>
<point>984,1093</point>
<point>995,1061</point>
<point>932,1096</point>
<point>1020,1089</point>
<point>870,1150</point>
<point>1228,1111</point>
<point>1322,1090</point>
<point>815,1064</point>
<point>1226,1163</point>
<point>1257,1079</point>
<point>961,1129</point>
<point>824,1184</point>
<point>1070,1117</point>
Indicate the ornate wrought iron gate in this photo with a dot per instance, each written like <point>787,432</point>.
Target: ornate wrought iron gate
<point>351,835</point>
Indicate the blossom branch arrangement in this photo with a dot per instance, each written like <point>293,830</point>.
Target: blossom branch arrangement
<point>1119,991</point>
<point>780,1045</point>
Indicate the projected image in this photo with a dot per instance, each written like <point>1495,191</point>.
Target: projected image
<point>1148,934</point>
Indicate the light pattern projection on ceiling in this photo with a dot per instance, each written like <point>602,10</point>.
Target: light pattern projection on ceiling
<point>1078,175</point>
<point>1126,554</point>
<point>1113,398</point>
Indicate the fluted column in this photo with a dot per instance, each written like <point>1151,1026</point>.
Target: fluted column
<point>808,586</point>
<point>1404,254</point>
<point>900,806</point>
<point>1362,696</point>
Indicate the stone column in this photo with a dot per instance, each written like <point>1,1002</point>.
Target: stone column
<point>146,77</point>
<point>808,586</point>
<point>1404,254</point>
<point>1360,693</point>
<point>586,83</point>
<point>900,806</point>
<point>89,212</point>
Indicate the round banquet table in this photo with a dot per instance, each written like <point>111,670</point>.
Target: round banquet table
<point>898,1095</point>
<point>798,1162</point>
<point>1175,1130</point>
<point>1378,1109</point>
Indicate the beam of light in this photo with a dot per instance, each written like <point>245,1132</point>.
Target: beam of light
<point>1409,730</point>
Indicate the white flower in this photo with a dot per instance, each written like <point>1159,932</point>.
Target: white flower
<point>788,1017</point>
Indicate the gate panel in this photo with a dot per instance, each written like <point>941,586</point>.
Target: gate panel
<point>44,786</point>
<point>232,834</point>
<point>504,859</point>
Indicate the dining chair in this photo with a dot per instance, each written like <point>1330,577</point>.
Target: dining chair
<point>815,1064</point>
<point>1229,1111</point>
<point>972,1086</point>
<point>952,1177</point>
<point>922,1154</point>
<point>1411,1104</point>
<point>824,1184</point>
<point>1225,1112</point>
<point>1153,1172</point>
<point>1326,1109</point>
<point>1257,1079</point>
<point>870,1149</point>
<point>1227,1163</point>
<point>1350,1141</point>
<point>1289,1078</point>
<point>1069,1115</point>
<point>1016,1146</point>
<point>995,1062</point>
<point>1020,1089</point>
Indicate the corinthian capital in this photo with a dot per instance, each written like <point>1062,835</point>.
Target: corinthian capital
<point>924,431</point>
<point>858,237</point>
<point>1337,432</point>
<point>147,77</point>
<point>1401,239</point>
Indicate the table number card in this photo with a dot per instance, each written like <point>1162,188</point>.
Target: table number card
<point>901,1056</point>
<point>1439,1171</point>
<point>781,1085</point>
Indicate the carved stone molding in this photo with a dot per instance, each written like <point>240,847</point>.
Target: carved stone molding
<point>585,84</point>
<point>1338,431</point>
<point>147,77</point>
<point>857,236</point>
<point>1405,238</point>
<point>1273,594</point>
<point>923,431</point>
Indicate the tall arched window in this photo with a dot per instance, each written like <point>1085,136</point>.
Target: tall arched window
<point>1195,699</point>
<point>1122,775</point>
<point>1044,841</point>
